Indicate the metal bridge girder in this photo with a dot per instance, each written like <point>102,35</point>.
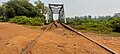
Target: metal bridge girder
<point>56,9</point>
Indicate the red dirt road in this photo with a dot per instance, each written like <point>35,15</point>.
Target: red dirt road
<point>14,38</point>
<point>62,41</point>
<point>105,39</point>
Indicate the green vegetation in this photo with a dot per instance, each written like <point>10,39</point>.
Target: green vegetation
<point>95,25</point>
<point>28,21</point>
<point>23,12</point>
<point>23,8</point>
<point>115,24</point>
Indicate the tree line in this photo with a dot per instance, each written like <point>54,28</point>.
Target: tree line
<point>102,24</point>
<point>23,12</point>
<point>14,8</point>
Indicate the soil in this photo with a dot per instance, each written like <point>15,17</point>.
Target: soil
<point>105,39</point>
<point>15,38</point>
<point>62,41</point>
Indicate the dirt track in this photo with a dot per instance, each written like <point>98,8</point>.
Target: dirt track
<point>14,38</point>
<point>62,41</point>
<point>105,39</point>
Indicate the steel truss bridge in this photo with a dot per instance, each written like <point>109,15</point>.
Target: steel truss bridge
<point>56,9</point>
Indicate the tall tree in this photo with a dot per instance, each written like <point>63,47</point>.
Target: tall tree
<point>117,15</point>
<point>1,11</point>
<point>19,8</point>
<point>41,7</point>
<point>89,16</point>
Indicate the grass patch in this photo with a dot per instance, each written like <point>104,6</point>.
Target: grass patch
<point>111,34</point>
<point>35,27</point>
<point>114,34</point>
<point>32,27</point>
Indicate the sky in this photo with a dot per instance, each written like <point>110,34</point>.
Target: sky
<point>86,7</point>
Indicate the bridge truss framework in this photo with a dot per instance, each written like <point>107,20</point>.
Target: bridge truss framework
<point>56,9</point>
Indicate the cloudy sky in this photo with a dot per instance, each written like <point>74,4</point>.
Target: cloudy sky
<point>86,7</point>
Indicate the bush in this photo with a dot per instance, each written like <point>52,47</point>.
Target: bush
<point>1,20</point>
<point>115,24</point>
<point>28,21</point>
<point>92,25</point>
<point>103,26</point>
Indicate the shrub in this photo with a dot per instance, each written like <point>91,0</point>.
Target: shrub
<point>92,25</point>
<point>0,19</point>
<point>115,24</point>
<point>28,21</point>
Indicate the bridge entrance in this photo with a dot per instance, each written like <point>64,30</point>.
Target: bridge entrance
<point>58,11</point>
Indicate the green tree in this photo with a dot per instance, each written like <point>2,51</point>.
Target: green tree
<point>42,9</point>
<point>89,16</point>
<point>115,24</point>
<point>1,11</point>
<point>40,6</point>
<point>10,12</point>
<point>117,15</point>
<point>19,8</point>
